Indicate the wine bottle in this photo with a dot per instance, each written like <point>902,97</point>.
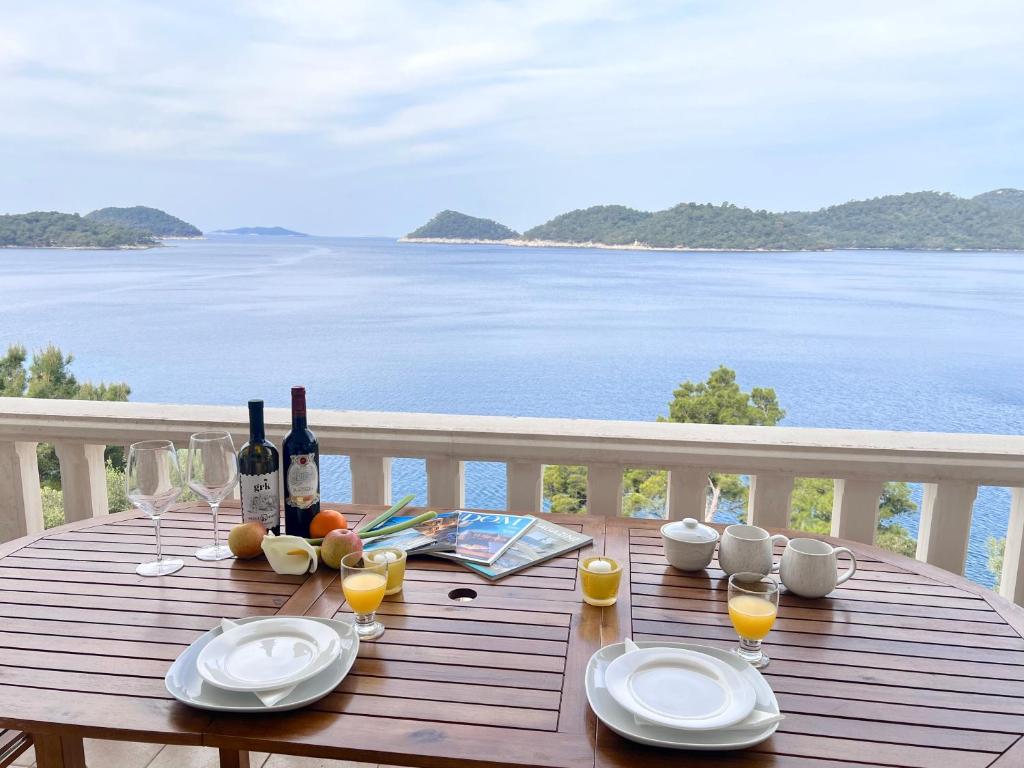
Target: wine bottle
<point>258,475</point>
<point>301,470</point>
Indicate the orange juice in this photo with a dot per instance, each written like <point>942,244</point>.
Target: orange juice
<point>364,591</point>
<point>751,616</point>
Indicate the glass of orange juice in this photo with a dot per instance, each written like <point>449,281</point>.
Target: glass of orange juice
<point>753,605</point>
<point>364,581</point>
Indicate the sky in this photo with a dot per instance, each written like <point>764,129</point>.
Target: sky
<point>366,118</point>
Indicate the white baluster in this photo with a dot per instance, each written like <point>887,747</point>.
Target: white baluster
<point>446,483</point>
<point>687,493</point>
<point>1011,586</point>
<point>371,479</point>
<point>770,496</point>
<point>524,483</point>
<point>946,524</point>
<point>21,506</point>
<point>604,489</point>
<point>855,508</point>
<point>83,480</point>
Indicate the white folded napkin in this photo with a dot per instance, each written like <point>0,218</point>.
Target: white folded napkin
<point>758,718</point>
<point>269,697</point>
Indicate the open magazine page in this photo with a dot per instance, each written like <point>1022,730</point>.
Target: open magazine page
<point>484,537</point>
<point>436,535</point>
<point>544,540</point>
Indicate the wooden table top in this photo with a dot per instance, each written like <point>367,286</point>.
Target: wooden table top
<point>904,665</point>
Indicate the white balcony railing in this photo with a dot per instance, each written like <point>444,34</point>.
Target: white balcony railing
<point>951,466</point>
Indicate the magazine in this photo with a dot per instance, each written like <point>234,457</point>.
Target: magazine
<point>483,537</point>
<point>542,541</point>
<point>432,536</point>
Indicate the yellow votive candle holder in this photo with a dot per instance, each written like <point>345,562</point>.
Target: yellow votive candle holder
<point>395,560</point>
<point>599,580</point>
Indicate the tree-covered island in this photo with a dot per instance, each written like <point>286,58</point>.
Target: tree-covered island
<point>918,220</point>
<point>49,229</point>
<point>152,220</point>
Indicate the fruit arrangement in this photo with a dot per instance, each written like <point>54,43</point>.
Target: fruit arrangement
<point>331,539</point>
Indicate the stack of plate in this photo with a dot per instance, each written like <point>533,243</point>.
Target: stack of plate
<point>264,664</point>
<point>681,696</point>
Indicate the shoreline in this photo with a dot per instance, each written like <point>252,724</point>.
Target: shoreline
<point>82,247</point>
<point>512,243</point>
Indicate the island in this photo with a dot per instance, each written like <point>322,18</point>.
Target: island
<point>266,231</point>
<point>912,221</point>
<point>50,229</point>
<point>152,220</point>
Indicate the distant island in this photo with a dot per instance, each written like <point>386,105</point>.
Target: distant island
<point>50,229</point>
<point>916,220</point>
<point>269,231</point>
<point>152,220</point>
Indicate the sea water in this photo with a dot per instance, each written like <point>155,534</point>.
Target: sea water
<point>863,339</point>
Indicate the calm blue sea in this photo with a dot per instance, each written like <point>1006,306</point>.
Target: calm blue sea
<point>887,340</point>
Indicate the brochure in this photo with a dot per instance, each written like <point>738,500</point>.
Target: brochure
<point>542,541</point>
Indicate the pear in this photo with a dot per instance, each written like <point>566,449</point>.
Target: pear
<point>246,540</point>
<point>337,544</point>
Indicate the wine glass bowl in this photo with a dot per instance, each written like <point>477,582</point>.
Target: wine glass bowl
<point>753,601</point>
<point>154,482</point>
<point>212,471</point>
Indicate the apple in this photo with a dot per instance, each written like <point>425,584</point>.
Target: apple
<point>337,544</point>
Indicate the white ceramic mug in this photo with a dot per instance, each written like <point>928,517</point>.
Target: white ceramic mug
<point>748,549</point>
<point>809,567</point>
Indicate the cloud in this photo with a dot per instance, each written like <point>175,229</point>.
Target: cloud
<point>427,80</point>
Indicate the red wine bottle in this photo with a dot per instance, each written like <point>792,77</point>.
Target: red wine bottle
<point>301,470</point>
<point>258,475</point>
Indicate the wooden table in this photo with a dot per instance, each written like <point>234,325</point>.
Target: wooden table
<point>905,665</point>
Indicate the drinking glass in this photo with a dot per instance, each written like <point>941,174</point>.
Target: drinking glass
<point>394,558</point>
<point>363,581</point>
<point>212,473</point>
<point>154,483</point>
<point>753,605</point>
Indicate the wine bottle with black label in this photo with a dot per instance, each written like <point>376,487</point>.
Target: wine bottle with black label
<point>258,475</point>
<point>301,470</point>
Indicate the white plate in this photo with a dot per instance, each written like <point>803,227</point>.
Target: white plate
<point>184,683</point>
<point>678,688</point>
<point>271,653</point>
<point>622,722</point>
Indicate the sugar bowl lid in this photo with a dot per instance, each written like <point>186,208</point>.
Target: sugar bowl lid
<point>690,531</point>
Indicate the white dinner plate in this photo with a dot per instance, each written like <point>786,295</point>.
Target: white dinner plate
<point>185,684</point>
<point>623,722</point>
<point>271,653</point>
<point>679,688</point>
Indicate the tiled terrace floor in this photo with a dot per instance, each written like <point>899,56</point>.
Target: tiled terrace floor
<point>122,754</point>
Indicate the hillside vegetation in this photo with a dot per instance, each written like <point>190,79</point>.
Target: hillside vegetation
<point>49,229</point>
<point>926,220</point>
<point>152,220</point>
<point>452,224</point>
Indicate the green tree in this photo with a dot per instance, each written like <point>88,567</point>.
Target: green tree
<point>720,400</point>
<point>996,553</point>
<point>49,376</point>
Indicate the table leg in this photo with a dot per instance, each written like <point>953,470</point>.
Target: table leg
<point>59,751</point>
<point>232,758</point>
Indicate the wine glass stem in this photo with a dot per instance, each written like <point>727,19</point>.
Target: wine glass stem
<point>365,618</point>
<point>159,549</point>
<point>215,507</point>
<point>752,647</point>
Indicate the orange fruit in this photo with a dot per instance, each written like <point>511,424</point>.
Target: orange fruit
<point>325,521</point>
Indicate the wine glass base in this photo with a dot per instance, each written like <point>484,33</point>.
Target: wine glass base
<point>214,553</point>
<point>159,567</point>
<point>369,631</point>
<point>756,660</point>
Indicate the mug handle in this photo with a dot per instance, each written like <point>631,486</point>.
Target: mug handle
<point>784,540</point>
<point>853,565</point>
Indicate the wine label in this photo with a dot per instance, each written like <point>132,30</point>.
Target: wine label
<point>302,483</point>
<point>260,499</point>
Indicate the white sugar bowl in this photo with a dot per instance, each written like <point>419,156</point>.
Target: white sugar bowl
<point>689,544</point>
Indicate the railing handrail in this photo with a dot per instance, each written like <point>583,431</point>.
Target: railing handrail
<point>984,459</point>
<point>951,466</point>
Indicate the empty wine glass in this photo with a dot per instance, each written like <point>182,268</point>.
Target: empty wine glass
<point>154,483</point>
<point>212,473</point>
